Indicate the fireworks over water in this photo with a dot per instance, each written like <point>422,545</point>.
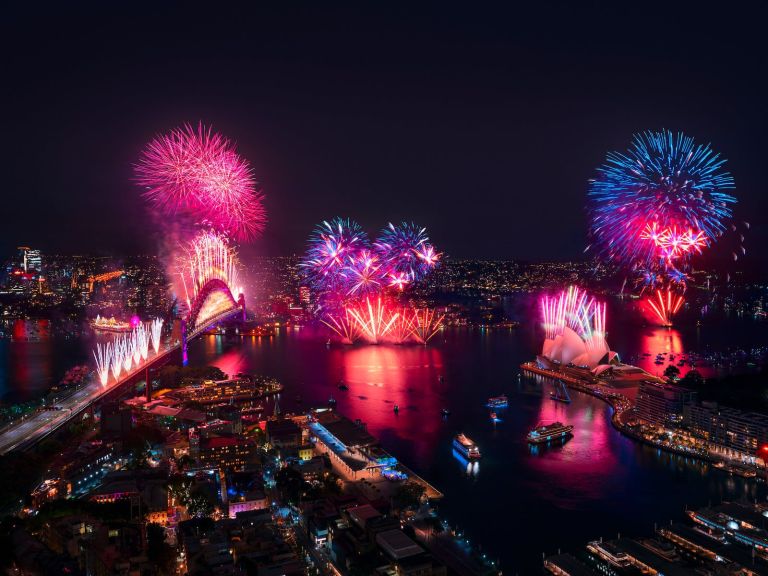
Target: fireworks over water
<point>660,203</point>
<point>354,283</point>
<point>657,206</point>
<point>340,262</point>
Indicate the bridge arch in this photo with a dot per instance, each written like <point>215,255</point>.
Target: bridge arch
<point>213,302</point>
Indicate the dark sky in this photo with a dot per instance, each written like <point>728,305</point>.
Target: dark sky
<point>481,123</point>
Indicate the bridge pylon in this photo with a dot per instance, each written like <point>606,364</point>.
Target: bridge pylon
<point>184,355</point>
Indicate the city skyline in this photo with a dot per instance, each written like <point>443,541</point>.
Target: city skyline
<point>343,289</point>
<point>458,121</point>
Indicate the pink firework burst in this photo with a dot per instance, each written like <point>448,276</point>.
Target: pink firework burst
<point>199,174</point>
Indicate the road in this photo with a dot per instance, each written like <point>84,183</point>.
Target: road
<point>34,428</point>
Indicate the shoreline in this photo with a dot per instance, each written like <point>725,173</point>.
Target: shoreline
<point>619,407</point>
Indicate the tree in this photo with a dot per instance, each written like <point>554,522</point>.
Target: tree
<point>291,484</point>
<point>155,541</point>
<point>672,372</point>
<point>693,378</point>
<point>199,506</point>
<point>408,495</point>
<point>331,483</point>
<point>180,488</point>
<point>183,461</point>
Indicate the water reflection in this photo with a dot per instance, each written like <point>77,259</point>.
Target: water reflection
<point>470,467</point>
<point>32,359</point>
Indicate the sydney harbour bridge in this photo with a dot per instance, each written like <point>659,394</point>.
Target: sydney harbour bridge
<point>212,299</point>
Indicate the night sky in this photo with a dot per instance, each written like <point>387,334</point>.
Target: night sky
<point>482,124</point>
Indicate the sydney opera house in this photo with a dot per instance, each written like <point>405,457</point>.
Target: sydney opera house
<point>574,339</point>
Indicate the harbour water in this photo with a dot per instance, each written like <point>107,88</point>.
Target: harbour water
<point>518,501</point>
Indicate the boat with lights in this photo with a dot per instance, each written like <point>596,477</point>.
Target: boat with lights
<point>547,433</point>
<point>498,401</point>
<point>466,447</point>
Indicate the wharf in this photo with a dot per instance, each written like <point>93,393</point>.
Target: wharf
<point>430,491</point>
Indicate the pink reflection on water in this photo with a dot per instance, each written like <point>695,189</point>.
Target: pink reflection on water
<point>380,377</point>
<point>669,343</point>
<point>580,467</point>
<point>30,364</point>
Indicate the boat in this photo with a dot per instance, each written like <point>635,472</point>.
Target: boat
<point>445,412</point>
<point>110,325</point>
<point>343,386</point>
<point>498,401</point>
<point>466,447</point>
<point>554,431</point>
<point>331,401</point>
<point>561,393</point>
<point>396,409</point>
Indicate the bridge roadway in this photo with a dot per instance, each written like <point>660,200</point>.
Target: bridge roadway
<point>39,426</point>
<point>32,430</point>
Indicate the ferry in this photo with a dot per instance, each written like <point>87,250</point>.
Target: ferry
<point>466,447</point>
<point>555,431</point>
<point>110,325</point>
<point>498,401</point>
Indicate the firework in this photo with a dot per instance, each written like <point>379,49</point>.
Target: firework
<point>142,341</point>
<point>198,173</point>
<point>344,325</point>
<point>405,251</point>
<point>127,350</point>
<point>155,333</point>
<point>663,305</point>
<point>403,327</point>
<point>427,322</point>
<point>574,326</point>
<point>374,320</point>
<point>331,246</point>
<point>208,257</point>
<point>116,360</point>
<point>399,280</point>
<point>571,308</point>
<point>126,354</point>
<point>103,355</point>
<point>656,205</point>
<point>363,273</point>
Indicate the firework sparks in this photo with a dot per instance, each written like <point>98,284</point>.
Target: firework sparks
<point>331,246</point>
<point>656,205</point>
<point>345,326</point>
<point>428,322</point>
<point>155,333</point>
<point>126,351</point>
<point>664,305</point>
<point>374,320</point>
<point>405,251</point>
<point>363,273</point>
<point>208,257</point>
<point>403,327</point>
<point>198,173</point>
<point>102,356</point>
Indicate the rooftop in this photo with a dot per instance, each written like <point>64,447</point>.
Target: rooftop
<point>397,544</point>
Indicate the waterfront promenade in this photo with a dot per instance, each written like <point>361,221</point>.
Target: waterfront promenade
<point>622,415</point>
